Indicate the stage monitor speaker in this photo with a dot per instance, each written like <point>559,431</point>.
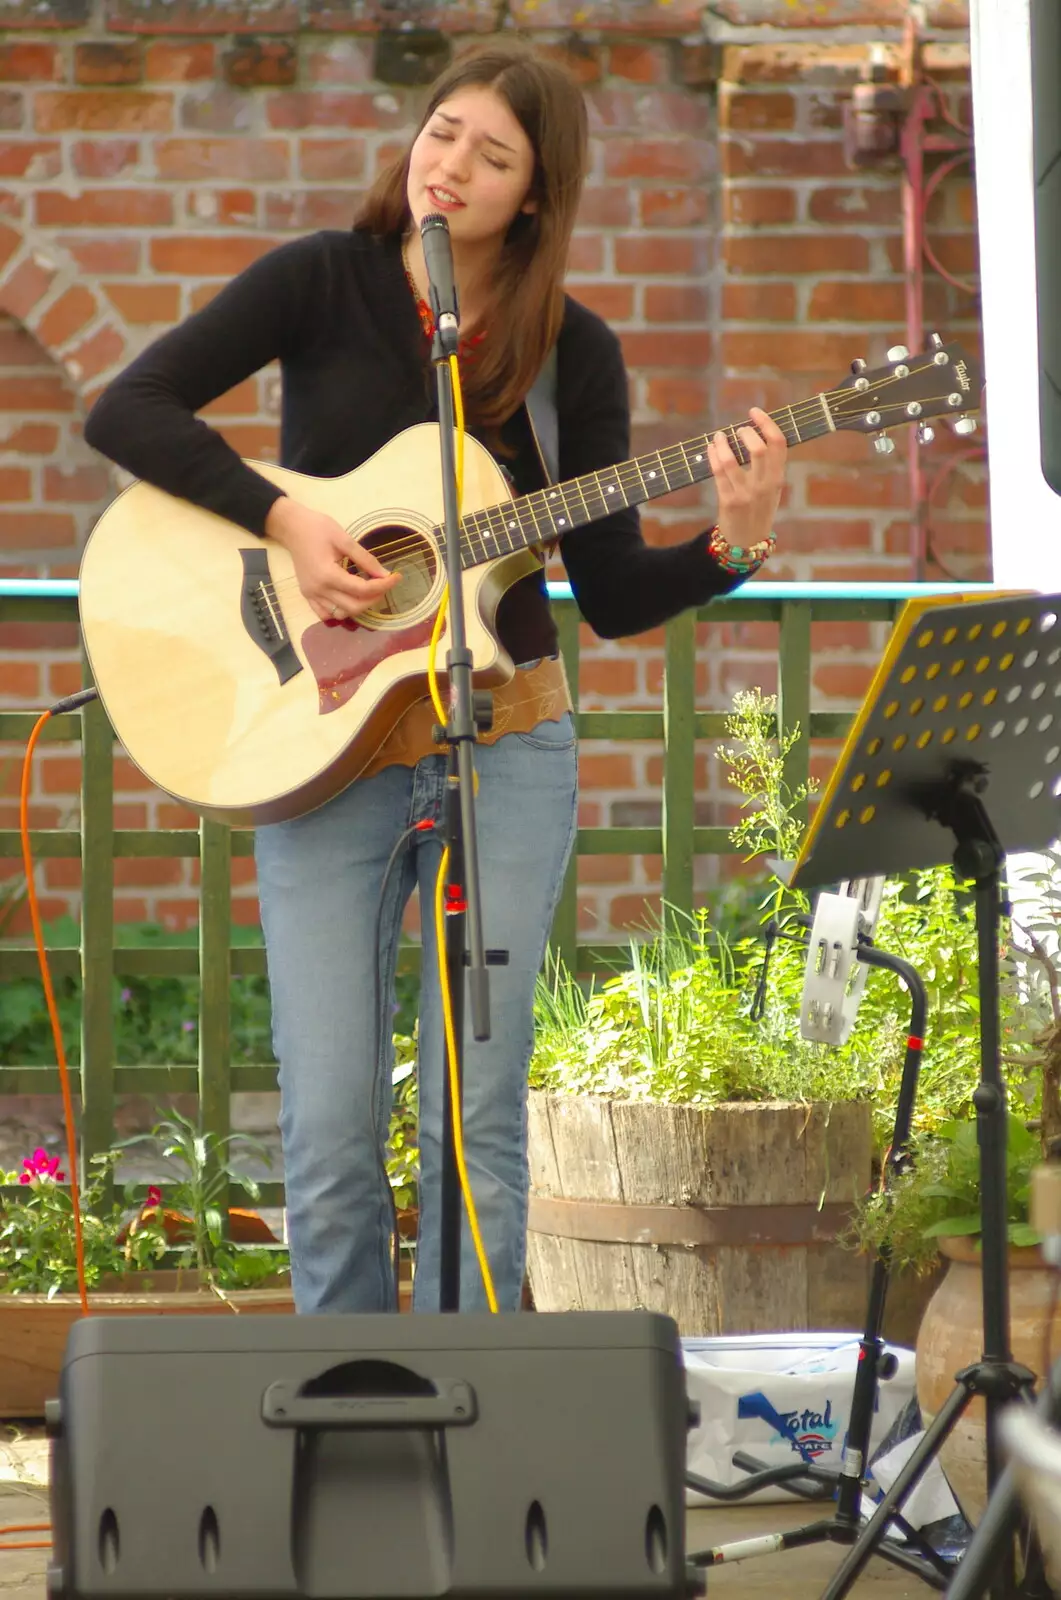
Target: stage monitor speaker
<point>342,1456</point>
<point>1045,18</point>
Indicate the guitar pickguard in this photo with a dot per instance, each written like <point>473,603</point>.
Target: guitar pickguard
<point>342,654</point>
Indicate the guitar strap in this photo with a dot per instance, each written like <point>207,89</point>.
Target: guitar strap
<point>545,423</point>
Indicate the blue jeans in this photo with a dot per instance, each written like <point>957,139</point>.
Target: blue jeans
<point>319,880</point>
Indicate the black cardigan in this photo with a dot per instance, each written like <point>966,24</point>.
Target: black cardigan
<point>336,311</point>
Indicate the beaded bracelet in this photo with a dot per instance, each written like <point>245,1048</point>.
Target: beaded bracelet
<point>735,558</point>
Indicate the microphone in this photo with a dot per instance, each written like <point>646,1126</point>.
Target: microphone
<point>438,258</point>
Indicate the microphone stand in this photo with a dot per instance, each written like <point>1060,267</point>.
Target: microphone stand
<point>463,904</point>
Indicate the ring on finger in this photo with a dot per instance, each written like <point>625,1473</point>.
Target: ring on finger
<point>336,611</point>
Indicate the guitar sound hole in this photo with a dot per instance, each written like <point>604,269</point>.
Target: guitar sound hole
<point>408,552</point>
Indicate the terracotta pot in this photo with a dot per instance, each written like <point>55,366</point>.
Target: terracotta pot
<point>244,1227</point>
<point>951,1337</point>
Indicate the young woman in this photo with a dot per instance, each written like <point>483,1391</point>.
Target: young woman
<point>501,154</point>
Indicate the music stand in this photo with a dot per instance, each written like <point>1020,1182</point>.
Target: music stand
<point>955,755</point>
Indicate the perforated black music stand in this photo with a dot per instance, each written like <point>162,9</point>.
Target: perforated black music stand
<point>955,755</point>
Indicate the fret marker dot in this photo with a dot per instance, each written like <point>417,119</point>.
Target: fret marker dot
<point>652,474</point>
<point>553,495</point>
<point>560,521</point>
<point>511,525</point>
<point>698,458</point>
<point>611,488</point>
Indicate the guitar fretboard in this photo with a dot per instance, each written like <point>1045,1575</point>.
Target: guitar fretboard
<point>530,519</point>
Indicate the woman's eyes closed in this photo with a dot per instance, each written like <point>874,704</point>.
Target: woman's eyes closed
<point>439,133</point>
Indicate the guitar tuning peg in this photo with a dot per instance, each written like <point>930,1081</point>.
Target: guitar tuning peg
<point>965,425</point>
<point>858,365</point>
<point>883,445</point>
<point>898,352</point>
<point>935,342</point>
<point>925,433</point>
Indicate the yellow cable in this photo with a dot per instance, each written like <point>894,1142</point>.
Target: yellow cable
<point>440,916</point>
<point>454,1087</point>
<point>440,619</point>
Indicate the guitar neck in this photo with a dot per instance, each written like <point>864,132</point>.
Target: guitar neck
<point>546,514</point>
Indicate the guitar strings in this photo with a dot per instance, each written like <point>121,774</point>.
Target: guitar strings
<point>394,552</point>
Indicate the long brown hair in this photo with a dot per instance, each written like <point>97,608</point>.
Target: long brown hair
<point>525,308</point>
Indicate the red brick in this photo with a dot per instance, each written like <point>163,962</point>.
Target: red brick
<point>874,486</point>
<point>659,255</point>
<point>199,257</point>
<point>324,160</point>
<point>582,60</point>
<point>344,61</point>
<point>956,253</point>
<point>103,255</point>
<point>171,815</point>
<point>105,158</point>
<point>629,16</point>
<point>659,349</point>
<point>673,302</point>
<point>185,61</point>
<point>29,282</point>
<point>35,394</point>
<point>299,108</point>
<point>31,439</point>
<point>85,484</point>
<point>137,111</point>
<point>105,208</point>
<point>66,316</point>
<point>809,535</point>
<point>128,910</point>
<point>791,352</point>
<point>614,678</point>
<point>751,206</point>
<point>66,677</point>
<point>31,158</point>
<point>30,62</point>
<point>143,872</point>
<point>128,816</point>
<point>606,206</point>
<point>100,351</point>
<point>16,483</point>
<point>261,63</point>
<point>20,680</point>
<point>202,295</point>
<point>612,301</point>
<point>857,205</point>
<point>639,63</point>
<point>188,16</point>
<point>108,62</point>
<point>742,157</point>
<point>846,681</point>
<point>858,302</point>
<point>798,253</point>
<point>674,208</point>
<point>37,530</point>
<point>630,911</point>
<point>759,302</point>
<point>746,110</point>
<point>605,771</point>
<point>586,253</point>
<point>311,208</point>
<point>678,397</point>
<point>193,159</point>
<point>689,160</point>
<point>222,207</point>
<point>12,109</point>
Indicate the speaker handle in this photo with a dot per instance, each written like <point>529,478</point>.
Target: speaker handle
<point>454,1406</point>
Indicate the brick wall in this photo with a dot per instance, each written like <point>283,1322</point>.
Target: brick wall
<point>151,148</point>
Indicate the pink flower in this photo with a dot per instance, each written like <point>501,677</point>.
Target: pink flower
<point>154,1196</point>
<point>41,1165</point>
<point>25,1178</point>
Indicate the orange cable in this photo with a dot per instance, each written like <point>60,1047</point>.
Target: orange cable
<point>53,1013</point>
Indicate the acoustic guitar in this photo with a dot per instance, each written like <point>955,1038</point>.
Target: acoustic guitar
<point>230,694</point>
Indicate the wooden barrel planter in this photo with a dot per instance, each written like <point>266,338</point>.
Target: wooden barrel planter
<point>723,1217</point>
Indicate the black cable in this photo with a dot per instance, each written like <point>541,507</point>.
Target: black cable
<point>377,1069</point>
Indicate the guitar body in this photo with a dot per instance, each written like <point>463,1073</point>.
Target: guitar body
<point>223,685</point>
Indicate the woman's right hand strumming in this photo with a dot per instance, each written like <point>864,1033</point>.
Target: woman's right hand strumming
<point>320,549</point>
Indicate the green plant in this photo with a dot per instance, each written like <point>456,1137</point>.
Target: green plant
<point>681,1022</point>
<point>201,1169</point>
<point>938,1196</point>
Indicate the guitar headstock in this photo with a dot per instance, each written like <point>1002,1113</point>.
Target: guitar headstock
<point>942,381</point>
